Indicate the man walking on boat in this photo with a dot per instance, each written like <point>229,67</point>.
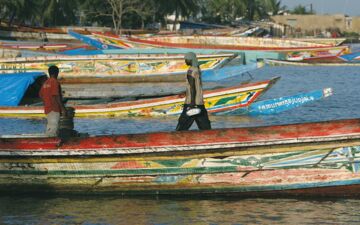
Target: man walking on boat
<point>194,109</point>
<point>50,93</point>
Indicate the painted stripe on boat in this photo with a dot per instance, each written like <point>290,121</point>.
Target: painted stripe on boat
<point>174,148</point>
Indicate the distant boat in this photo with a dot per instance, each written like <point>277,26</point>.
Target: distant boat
<point>328,55</point>
<point>273,62</point>
<point>352,57</point>
<point>326,41</point>
<point>307,159</point>
<point>218,100</point>
<point>32,46</point>
<point>230,43</point>
<point>92,42</point>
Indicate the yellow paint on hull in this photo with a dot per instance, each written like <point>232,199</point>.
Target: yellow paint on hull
<point>165,109</point>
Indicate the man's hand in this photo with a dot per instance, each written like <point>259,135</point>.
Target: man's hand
<point>191,106</point>
<point>63,111</point>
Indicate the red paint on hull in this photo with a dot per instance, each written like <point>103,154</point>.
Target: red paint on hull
<point>189,138</point>
<point>226,47</point>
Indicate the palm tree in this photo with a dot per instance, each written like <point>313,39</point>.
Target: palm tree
<point>58,12</point>
<point>9,9</point>
<point>254,8</point>
<point>180,7</point>
<point>226,10</point>
<point>300,9</point>
<point>229,10</point>
<point>274,7</point>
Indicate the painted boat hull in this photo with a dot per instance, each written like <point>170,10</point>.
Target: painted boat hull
<point>247,56</point>
<point>92,42</point>
<point>218,100</point>
<point>295,159</point>
<point>115,89</point>
<point>326,41</point>
<point>223,42</point>
<point>318,55</point>
<point>113,68</point>
<point>293,50</point>
<point>272,62</point>
<point>352,57</point>
<point>278,105</point>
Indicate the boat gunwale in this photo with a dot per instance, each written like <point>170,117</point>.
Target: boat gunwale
<point>209,140</point>
<point>111,57</point>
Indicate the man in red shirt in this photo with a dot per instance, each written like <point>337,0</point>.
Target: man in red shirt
<point>50,93</point>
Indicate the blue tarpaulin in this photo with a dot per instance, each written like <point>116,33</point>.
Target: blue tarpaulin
<point>13,86</point>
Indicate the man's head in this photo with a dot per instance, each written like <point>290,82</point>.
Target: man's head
<point>190,59</point>
<point>53,71</point>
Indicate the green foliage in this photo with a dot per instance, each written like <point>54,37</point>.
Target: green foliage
<point>301,10</point>
<point>58,12</point>
<point>274,7</point>
<point>133,13</point>
<point>351,34</point>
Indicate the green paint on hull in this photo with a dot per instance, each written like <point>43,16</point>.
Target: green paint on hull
<point>172,163</point>
<point>153,172</point>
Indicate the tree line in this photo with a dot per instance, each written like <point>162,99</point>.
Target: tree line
<point>135,14</point>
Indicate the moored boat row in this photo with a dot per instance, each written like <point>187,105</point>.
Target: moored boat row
<point>297,159</point>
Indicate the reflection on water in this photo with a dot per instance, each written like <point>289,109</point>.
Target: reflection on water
<point>116,210</point>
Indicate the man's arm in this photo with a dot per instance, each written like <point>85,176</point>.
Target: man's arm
<point>191,81</point>
<point>57,99</point>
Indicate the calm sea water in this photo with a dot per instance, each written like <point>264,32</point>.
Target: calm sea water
<point>345,103</point>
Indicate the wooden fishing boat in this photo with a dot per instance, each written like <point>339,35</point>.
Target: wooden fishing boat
<point>308,159</point>
<point>318,55</point>
<point>35,35</point>
<point>218,100</point>
<point>294,50</point>
<point>115,40</point>
<point>326,41</point>
<point>278,105</point>
<point>247,56</point>
<point>352,57</point>
<point>272,62</point>
<point>113,68</point>
<point>93,42</point>
<point>232,43</point>
<point>12,53</point>
<point>32,46</point>
<point>212,79</point>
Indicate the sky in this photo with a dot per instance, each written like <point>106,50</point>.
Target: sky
<point>349,7</point>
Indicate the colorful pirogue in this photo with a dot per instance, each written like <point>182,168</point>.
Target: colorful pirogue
<point>330,54</point>
<point>273,62</point>
<point>219,100</point>
<point>120,68</point>
<point>223,42</point>
<point>319,159</point>
<point>292,49</point>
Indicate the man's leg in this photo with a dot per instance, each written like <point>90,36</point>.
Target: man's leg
<point>185,121</point>
<point>202,120</point>
<point>52,126</point>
